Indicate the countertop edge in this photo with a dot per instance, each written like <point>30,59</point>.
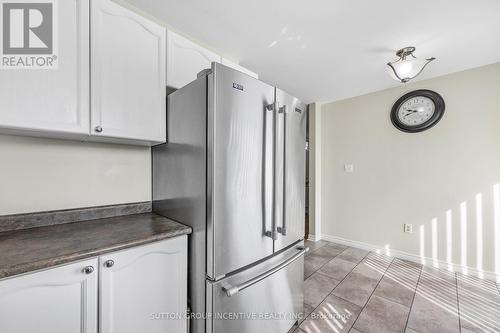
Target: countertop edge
<point>13,271</point>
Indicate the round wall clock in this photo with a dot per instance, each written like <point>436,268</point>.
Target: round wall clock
<point>417,111</point>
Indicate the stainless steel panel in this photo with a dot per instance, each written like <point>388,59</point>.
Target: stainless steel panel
<point>273,304</point>
<point>179,181</point>
<point>293,113</point>
<point>239,200</point>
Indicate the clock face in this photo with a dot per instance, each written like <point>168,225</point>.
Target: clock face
<point>417,111</point>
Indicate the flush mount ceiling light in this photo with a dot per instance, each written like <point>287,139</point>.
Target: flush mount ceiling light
<point>407,66</point>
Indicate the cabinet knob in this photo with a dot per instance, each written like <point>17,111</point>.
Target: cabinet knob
<point>98,129</point>
<point>109,263</point>
<point>88,270</point>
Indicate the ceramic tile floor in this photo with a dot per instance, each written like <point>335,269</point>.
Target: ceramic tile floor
<point>352,290</point>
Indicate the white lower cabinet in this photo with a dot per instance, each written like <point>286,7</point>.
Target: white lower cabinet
<point>140,289</point>
<point>58,300</point>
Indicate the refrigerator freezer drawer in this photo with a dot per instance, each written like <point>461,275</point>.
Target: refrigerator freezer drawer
<point>265,298</point>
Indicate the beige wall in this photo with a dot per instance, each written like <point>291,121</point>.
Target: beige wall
<point>417,178</point>
<point>44,174</point>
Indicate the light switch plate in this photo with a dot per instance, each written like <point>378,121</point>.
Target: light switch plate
<point>349,168</point>
<point>408,228</point>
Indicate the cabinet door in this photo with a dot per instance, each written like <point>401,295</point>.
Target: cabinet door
<point>128,75</point>
<point>185,60</point>
<point>143,287</point>
<point>62,299</point>
<point>238,67</point>
<point>52,102</point>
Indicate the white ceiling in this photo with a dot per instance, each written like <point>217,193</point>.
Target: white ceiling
<point>325,50</point>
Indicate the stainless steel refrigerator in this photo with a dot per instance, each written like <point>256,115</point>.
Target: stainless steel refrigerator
<point>234,170</point>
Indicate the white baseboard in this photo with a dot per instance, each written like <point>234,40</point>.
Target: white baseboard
<point>313,238</point>
<point>414,257</point>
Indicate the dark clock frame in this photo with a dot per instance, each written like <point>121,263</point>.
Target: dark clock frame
<point>436,117</point>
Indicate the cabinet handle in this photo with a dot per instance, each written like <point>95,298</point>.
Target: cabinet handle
<point>109,263</point>
<point>88,270</point>
<point>98,129</point>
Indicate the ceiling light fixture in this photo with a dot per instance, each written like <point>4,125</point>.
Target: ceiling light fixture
<point>407,66</point>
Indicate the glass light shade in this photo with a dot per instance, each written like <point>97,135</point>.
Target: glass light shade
<point>405,69</point>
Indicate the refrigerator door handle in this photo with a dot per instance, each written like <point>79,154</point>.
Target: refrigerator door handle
<point>282,229</point>
<point>233,290</point>
<point>270,109</point>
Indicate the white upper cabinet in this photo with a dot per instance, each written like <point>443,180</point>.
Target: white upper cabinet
<point>128,85</point>
<point>140,285</point>
<point>238,67</point>
<point>62,299</point>
<point>185,59</point>
<point>109,82</point>
<point>51,102</point>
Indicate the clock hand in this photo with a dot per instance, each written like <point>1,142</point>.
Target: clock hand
<point>410,112</point>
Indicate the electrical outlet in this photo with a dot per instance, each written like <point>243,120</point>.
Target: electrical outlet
<point>408,228</point>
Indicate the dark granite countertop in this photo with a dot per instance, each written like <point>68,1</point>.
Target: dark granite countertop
<point>28,250</point>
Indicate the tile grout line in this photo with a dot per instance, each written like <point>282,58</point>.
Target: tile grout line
<point>392,300</point>
<point>318,248</point>
<point>368,300</point>
<point>364,257</point>
<point>458,306</point>
<point>320,267</point>
<point>414,295</point>
<point>317,271</point>
<point>345,277</point>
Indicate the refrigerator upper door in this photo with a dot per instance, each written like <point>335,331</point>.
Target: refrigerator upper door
<point>291,168</point>
<point>240,171</point>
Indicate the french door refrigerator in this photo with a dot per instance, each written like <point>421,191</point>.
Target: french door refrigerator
<point>234,170</point>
